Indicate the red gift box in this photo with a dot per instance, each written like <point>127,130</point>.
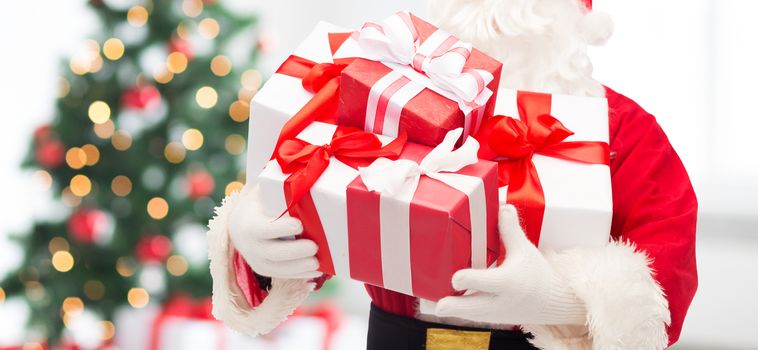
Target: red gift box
<point>411,241</point>
<point>391,97</point>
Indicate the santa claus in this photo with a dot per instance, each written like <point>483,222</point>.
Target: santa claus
<point>632,293</point>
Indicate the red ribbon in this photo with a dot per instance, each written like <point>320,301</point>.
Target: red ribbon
<point>321,79</point>
<point>513,143</point>
<point>306,162</point>
<point>186,308</point>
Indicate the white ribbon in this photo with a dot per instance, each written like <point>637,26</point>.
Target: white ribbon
<point>441,57</point>
<point>398,178</point>
<point>397,182</point>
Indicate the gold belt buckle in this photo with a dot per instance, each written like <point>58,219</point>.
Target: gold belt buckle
<point>451,339</point>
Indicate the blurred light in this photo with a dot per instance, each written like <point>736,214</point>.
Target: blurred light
<point>109,330</point>
<point>206,97</point>
<point>44,178</point>
<point>176,62</point>
<point>234,186</point>
<point>208,28</point>
<point>94,290</point>
<point>157,208</point>
<point>121,140</point>
<point>192,8</point>
<point>113,49</point>
<point>72,305</point>
<point>174,152</point>
<point>182,30</point>
<point>76,158</point>
<point>221,65</point>
<point>69,199</point>
<point>63,261</point>
<point>78,67</point>
<point>105,130</point>
<point>64,87</point>
<point>92,153</point>
<point>35,291</point>
<point>2,295</point>
<point>137,16</point>
<point>138,298</point>
<point>245,94</point>
<point>251,79</point>
<point>124,267</point>
<point>99,112</point>
<point>80,185</point>
<point>96,64</point>
<point>192,139</point>
<point>33,346</point>
<point>176,265</point>
<point>239,111</point>
<point>57,244</point>
<point>121,186</point>
<point>235,144</point>
<point>163,76</point>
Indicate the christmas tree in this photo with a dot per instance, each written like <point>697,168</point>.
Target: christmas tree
<point>146,139</point>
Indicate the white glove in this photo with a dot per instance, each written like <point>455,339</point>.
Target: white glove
<point>264,241</point>
<point>523,290</point>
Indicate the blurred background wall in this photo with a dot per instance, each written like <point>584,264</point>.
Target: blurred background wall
<point>689,62</point>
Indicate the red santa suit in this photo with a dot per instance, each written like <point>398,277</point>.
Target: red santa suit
<point>639,286</point>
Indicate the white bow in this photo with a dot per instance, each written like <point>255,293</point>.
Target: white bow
<point>401,177</point>
<point>441,56</point>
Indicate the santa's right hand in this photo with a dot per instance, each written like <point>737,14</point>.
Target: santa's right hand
<point>266,243</point>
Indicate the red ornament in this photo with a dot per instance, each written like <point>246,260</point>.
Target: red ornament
<point>200,184</point>
<point>180,45</point>
<point>42,133</point>
<point>88,225</point>
<point>141,97</point>
<point>50,153</point>
<point>153,248</point>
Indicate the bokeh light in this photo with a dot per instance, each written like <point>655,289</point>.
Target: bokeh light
<point>137,16</point>
<point>94,290</point>
<point>72,306</point>
<point>124,267</point>
<point>109,330</point>
<point>138,298</point>
<point>157,208</point>
<point>113,49</point>
<point>192,8</point>
<point>121,140</point>
<point>105,130</point>
<point>239,111</point>
<point>174,152</point>
<point>208,28</point>
<point>92,154</point>
<point>234,144</point>
<point>63,261</point>
<point>76,158</point>
<point>251,79</point>
<point>80,185</point>
<point>99,112</point>
<point>221,65</point>
<point>121,186</point>
<point>176,265</point>
<point>206,97</point>
<point>234,186</point>
<point>192,139</point>
<point>176,62</point>
<point>57,244</point>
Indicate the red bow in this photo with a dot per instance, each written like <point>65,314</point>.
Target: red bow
<point>306,162</point>
<point>187,308</point>
<point>513,143</point>
<point>321,79</point>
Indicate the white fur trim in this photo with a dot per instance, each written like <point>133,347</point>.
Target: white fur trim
<point>626,307</point>
<point>229,304</point>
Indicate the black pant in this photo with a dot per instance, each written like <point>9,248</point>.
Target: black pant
<point>387,331</point>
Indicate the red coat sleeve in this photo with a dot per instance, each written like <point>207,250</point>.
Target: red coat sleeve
<point>654,203</point>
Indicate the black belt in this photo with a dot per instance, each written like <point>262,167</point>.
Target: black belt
<point>388,331</point>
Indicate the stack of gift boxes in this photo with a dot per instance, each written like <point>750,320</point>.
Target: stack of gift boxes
<point>395,146</point>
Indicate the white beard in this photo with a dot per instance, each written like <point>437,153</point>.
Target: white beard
<point>541,43</point>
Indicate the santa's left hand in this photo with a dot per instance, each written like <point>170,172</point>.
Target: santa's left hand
<point>525,289</point>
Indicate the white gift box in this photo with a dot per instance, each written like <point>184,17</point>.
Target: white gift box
<point>578,199</point>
